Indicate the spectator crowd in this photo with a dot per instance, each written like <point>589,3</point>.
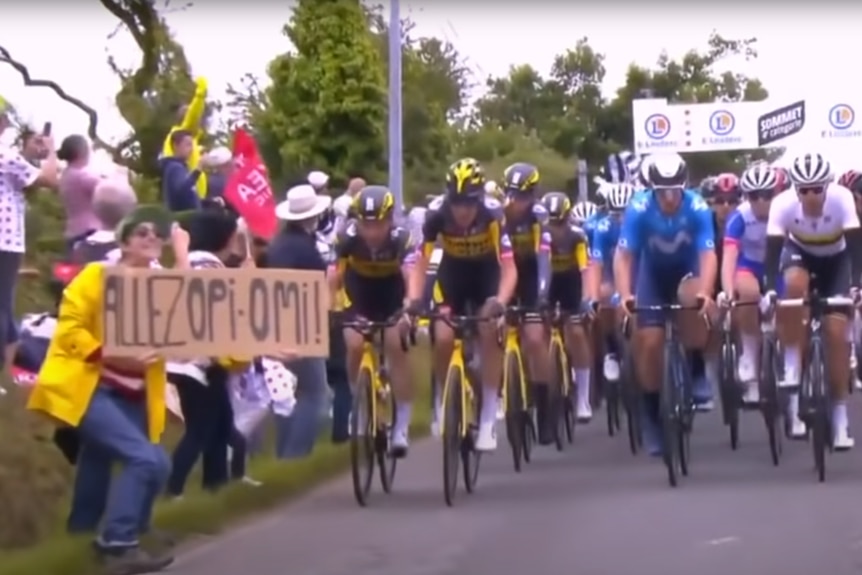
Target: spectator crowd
<point>113,410</point>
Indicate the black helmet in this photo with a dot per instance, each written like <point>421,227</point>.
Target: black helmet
<point>465,180</point>
<point>558,205</point>
<point>520,179</point>
<point>373,203</point>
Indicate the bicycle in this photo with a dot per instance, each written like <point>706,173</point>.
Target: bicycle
<point>373,413</point>
<point>462,402</point>
<point>630,390</point>
<point>520,429</point>
<point>814,400</point>
<point>729,386</point>
<point>563,407</point>
<point>773,403</point>
<point>676,403</point>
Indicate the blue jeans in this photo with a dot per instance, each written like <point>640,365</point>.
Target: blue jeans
<point>10,263</point>
<point>113,429</point>
<point>296,434</point>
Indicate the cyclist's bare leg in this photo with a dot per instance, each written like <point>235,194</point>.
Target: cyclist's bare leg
<point>837,357</point>
<point>534,345</point>
<point>696,335</point>
<point>353,343</point>
<point>398,363</point>
<point>791,332</point>
<point>746,320</point>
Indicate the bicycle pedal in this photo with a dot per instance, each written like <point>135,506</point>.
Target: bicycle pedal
<point>397,452</point>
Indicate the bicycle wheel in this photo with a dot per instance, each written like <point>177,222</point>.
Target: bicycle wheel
<point>558,393</point>
<point>612,405</point>
<point>685,410</point>
<point>362,437</point>
<point>387,463</point>
<point>631,403</point>
<point>515,410</point>
<point>668,413</point>
<point>729,391</point>
<point>770,401</point>
<point>819,408</point>
<point>470,458</point>
<point>453,434</point>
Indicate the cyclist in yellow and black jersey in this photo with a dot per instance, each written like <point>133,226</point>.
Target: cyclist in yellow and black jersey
<point>527,227</point>
<point>373,260</point>
<point>570,291</point>
<point>476,272</point>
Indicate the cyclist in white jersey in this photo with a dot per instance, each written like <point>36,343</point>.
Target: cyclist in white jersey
<point>742,268</point>
<point>815,242</point>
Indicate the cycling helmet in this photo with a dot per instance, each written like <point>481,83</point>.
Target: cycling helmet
<point>520,179</point>
<point>667,171</point>
<point>726,186</point>
<point>373,203</point>
<point>465,180</point>
<point>852,180</point>
<point>810,170</point>
<point>620,167</point>
<point>758,178</point>
<point>583,211</point>
<point>493,190</point>
<point>619,195</point>
<point>558,205</point>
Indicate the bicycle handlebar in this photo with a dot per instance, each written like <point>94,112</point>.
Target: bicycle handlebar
<point>834,301</point>
<point>367,329</point>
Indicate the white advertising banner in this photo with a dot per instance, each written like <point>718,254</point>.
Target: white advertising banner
<point>660,126</point>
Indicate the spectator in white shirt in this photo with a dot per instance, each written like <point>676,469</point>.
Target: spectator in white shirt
<point>17,177</point>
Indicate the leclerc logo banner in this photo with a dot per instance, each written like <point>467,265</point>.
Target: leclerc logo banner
<point>781,123</point>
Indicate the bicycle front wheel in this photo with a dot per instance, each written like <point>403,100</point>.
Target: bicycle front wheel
<point>453,432</point>
<point>819,409</point>
<point>669,416</point>
<point>770,401</point>
<point>362,436</point>
<point>516,411</point>
<point>558,393</point>
<point>387,462</point>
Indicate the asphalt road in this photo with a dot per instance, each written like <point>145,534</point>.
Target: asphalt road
<point>592,510</point>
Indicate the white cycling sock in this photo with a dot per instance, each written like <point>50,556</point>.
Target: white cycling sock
<point>749,345</point>
<point>490,401</point>
<point>793,406</point>
<point>582,380</point>
<point>792,357</point>
<point>403,415</point>
<point>839,415</point>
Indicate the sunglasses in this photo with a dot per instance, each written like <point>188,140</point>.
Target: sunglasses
<point>723,201</point>
<point>816,190</point>
<point>144,231</point>
<point>759,195</point>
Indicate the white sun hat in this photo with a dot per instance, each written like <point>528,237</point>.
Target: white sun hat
<point>318,179</point>
<point>302,203</point>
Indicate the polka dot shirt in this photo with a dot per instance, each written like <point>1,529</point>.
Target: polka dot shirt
<point>16,174</point>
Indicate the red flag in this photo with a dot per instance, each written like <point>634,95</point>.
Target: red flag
<point>248,189</point>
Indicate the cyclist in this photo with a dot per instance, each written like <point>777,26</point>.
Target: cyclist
<point>527,228</point>
<point>569,289</point>
<point>670,233</point>
<point>586,215</point>
<point>476,270</point>
<point>742,268</point>
<point>373,258</point>
<point>605,238</point>
<point>852,180</point>
<point>814,241</point>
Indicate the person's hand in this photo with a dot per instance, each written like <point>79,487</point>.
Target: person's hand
<point>722,300</point>
<point>627,304</point>
<point>706,303</point>
<point>589,307</point>
<point>179,239</point>
<point>285,355</point>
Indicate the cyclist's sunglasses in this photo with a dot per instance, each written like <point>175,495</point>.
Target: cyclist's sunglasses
<point>816,190</point>
<point>763,195</point>
<point>724,201</point>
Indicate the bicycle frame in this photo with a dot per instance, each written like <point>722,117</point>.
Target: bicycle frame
<point>372,357</point>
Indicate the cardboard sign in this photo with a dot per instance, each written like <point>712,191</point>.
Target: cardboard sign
<point>721,126</point>
<point>186,314</point>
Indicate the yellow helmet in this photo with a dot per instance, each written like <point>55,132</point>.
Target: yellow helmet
<point>373,203</point>
<point>465,179</point>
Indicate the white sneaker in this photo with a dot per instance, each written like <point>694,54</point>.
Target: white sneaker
<point>797,428</point>
<point>611,367</point>
<point>435,429</point>
<point>400,439</point>
<point>501,411</point>
<point>584,412</point>
<point>841,439</point>
<point>250,481</point>
<point>486,438</point>
<point>747,370</point>
<point>791,377</point>
<point>751,395</point>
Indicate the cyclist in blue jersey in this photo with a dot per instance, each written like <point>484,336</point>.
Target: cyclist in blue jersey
<point>605,237</point>
<point>585,215</point>
<point>670,232</point>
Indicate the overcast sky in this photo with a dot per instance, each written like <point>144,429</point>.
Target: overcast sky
<point>806,49</point>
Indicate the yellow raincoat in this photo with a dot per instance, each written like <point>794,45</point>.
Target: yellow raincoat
<point>192,123</point>
<point>67,381</point>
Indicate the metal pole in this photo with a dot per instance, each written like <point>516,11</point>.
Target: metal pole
<point>396,177</point>
<point>583,191</point>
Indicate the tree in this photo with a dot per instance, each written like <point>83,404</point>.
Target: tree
<point>326,104</point>
<point>151,94</point>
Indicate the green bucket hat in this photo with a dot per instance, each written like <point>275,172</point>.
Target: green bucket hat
<point>154,214</point>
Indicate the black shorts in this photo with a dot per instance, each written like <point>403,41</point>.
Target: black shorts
<point>566,291</point>
<point>464,286</point>
<point>830,275</point>
<point>375,299</point>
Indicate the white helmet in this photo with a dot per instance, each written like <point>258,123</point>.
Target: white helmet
<point>666,171</point>
<point>583,211</point>
<point>758,177</point>
<point>618,195</point>
<point>810,170</point>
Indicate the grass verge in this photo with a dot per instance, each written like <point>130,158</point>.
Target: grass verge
<point>203,513</point>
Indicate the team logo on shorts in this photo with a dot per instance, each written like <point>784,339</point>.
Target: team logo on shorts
<point>657,127</point>
<point>722,123</point>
